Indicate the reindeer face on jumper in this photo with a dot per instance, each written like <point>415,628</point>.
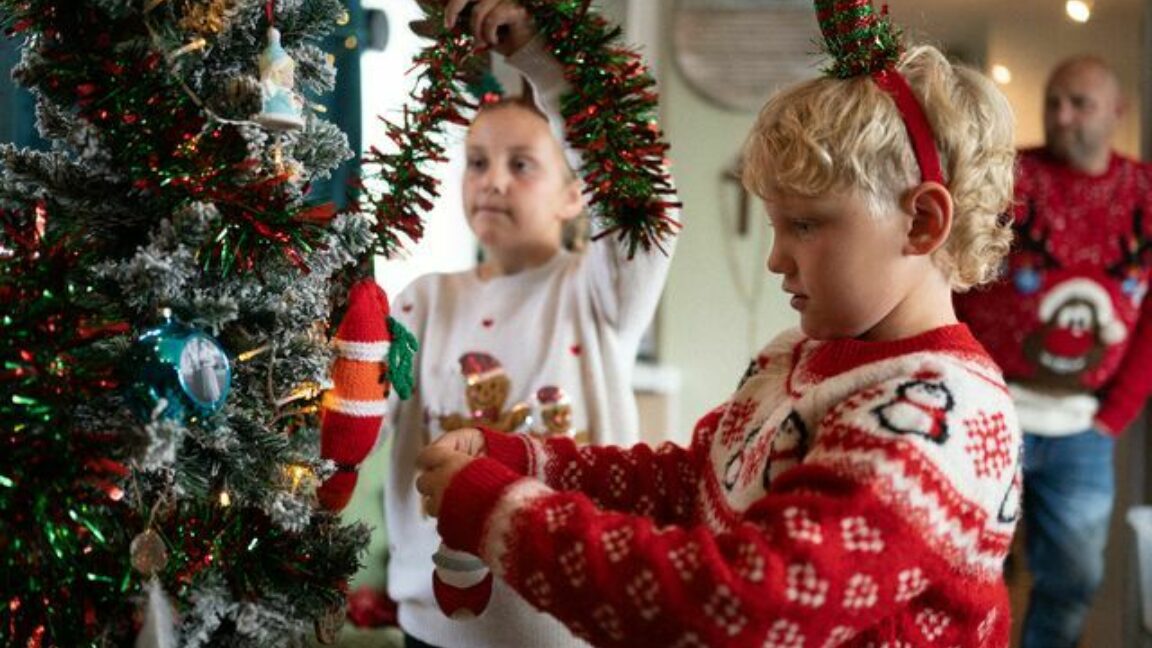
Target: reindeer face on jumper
<point>1079,323</point>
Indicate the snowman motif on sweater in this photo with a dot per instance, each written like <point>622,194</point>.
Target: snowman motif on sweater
<point>920,407</point>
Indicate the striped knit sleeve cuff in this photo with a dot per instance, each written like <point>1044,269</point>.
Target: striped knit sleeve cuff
<point>469,500</point>
<point>509,449</point>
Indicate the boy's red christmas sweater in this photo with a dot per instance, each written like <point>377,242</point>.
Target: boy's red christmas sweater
<point>848,494</point>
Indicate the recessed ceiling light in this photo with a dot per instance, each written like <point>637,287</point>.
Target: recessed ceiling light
<point>1078,10</point>
<point>1001,74</point>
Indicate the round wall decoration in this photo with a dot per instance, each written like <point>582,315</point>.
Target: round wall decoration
<point>736,53</point>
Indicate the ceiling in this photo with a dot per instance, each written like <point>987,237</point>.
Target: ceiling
<point>991,6</point>
<point>991,9</point>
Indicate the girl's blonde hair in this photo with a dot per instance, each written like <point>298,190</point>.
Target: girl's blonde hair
<point>847,134</point>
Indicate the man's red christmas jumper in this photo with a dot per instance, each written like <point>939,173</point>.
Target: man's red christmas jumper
<point>1071,315</point>
<point>848,494</point>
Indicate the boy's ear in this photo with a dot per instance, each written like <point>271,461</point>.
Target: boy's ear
<point>929,206</point>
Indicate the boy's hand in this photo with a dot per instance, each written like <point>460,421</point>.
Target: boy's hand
<point>438,464</point>
<point>470,441</point>
<point>503,25</point>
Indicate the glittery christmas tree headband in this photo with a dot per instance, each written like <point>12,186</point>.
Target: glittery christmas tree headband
<point>861,42</point>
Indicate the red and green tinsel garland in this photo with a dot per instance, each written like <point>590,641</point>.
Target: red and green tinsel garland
<point>859,40</point>
<point>61,494</point>
<point>609,117</point>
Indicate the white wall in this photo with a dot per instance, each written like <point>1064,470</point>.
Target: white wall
<point>448,244</point>
<point>721,304</point>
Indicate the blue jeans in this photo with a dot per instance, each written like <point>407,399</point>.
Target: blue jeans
<point>1069,484</point>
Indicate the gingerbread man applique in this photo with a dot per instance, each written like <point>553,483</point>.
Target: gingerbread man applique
<point>487,392</point>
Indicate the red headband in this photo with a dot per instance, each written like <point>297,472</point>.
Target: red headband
<point>915,121</point>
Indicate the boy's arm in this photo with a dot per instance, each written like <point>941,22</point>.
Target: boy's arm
<point>823,557</point>
<point>658,482</point>
<point>830,553</point>
<point>626,290</point>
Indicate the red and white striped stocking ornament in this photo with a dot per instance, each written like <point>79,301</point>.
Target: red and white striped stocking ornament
<point>353,410</point>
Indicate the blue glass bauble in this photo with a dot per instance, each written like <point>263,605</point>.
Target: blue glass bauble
<point>1027,280</point>
<point>181,372</point>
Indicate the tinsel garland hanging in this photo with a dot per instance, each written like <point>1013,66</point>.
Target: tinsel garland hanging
<point>609,117</point>
<point>61,490</point>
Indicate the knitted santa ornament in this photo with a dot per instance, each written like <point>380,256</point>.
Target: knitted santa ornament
<point>373,355</point>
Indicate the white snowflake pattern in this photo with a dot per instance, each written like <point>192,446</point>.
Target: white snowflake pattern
<point>572,476</point>
<point>932,623</point>
<point>858,536</point>
<point>910,584</point>
<point>616,542</point>
<point>724,609</point>
<point>838,636</point>
<point>645,505</point>
<point>989,444</point>
<point>784,634</point>
<point>609,621</point>
<point>805,587</point>
<point>749,563</point>
<point>802,528</point>
<point>643,590</point>
<point>574,565</point>
<point>736,420</point>
<point>659,483</point>
<point>558,516</point>
<point>540,588</point>
<point>862,592</point>
<point>686,559</point>
<point>617,482</point>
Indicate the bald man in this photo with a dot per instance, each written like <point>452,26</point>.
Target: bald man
<point>1071,327</point>
<point>1083,105</point>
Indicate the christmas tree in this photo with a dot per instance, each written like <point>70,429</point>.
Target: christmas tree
<point>168,288</point>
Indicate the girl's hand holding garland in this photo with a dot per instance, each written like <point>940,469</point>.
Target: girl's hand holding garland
<point>503,25</point>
